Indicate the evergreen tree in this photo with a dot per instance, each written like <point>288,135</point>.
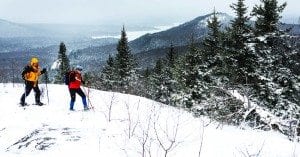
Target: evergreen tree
<point>156,81</point>
<point>170,83</point>
<point>192,60</point>
<point>171,57</point>
<point>108,79</point>
<point>163,82</point>
<point>146,83</point>
<point>276,88</point>
<point>214,55</point>
<point>267,16</point>
<point>190,75</point>
<point>125,65</point>
<point>240,59</point>
<point>63,63</point>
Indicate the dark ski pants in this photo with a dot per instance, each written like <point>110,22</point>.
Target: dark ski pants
<point>28,88</point>
<point>73,97</point>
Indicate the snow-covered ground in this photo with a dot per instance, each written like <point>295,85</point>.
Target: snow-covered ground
<point>122,125</point>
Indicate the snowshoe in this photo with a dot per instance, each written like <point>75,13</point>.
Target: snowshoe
<point>23,104</point>
<point>39,104</point>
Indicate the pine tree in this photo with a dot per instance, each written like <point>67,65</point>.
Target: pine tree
<point>164,83</point>
<point>191,62</point>
<point>125,65</point>
<point>171,57</point>
<point>276,88</point>
<point>63,62</point>
<point>214,55</point>
<point>108,79</point>
<point>146,82</point>
<point>170,85</point>
<point>156,81</point>
<point>212,42</point>
<point>190,75</point>
<point>240,59</point>
<point>268,16</point>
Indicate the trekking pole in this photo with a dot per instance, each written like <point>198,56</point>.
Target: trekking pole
<point>46,81</point>
<point>88,96</point>
<point>25,94</point>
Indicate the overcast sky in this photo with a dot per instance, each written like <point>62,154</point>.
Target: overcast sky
<point>121,11</point>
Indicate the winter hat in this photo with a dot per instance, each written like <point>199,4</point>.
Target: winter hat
<point>78,67</point>
<point>34,60</point>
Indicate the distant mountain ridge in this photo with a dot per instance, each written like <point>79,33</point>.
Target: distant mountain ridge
<point>179,35</point>
<point>10,29</point>
<point>149,45</point>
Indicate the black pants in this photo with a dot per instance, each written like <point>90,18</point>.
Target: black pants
<point>73,93</point>
<point>73,97</point>
<point>28,87</point>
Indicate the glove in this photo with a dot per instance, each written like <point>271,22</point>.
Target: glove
<point>83,82</point>
<point>43,71</point>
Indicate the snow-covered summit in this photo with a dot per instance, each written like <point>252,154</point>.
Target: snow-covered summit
<point>121,125</point>
<point>222,17</point>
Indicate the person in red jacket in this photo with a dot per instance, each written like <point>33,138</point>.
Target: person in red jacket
<point>74,87</point>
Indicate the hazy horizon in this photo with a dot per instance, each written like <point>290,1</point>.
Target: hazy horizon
<point>130,12</point>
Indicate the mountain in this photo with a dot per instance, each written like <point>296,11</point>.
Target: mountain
<point>9,29</point>
<point>178,36</point>
<point>122,125</point>
<point>149,47</point>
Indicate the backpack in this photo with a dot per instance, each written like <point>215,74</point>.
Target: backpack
<point>26,69</point>
<point>69,77</point>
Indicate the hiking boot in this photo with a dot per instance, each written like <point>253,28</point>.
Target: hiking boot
<point>39,103</point>
<point>23,104</point>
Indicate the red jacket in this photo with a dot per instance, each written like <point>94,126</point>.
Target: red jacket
<point>75,80</point>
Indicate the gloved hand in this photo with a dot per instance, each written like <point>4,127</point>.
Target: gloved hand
<point>83,82</point>
<point>43,71</point>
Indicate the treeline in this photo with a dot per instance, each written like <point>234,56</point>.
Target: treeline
<point>258,60</point>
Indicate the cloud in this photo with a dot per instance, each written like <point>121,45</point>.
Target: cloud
<point>114,11</point>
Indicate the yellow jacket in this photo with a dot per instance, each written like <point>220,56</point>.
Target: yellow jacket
<point>31,73</point>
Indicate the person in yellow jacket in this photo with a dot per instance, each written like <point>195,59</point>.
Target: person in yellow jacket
<point>31,75</point>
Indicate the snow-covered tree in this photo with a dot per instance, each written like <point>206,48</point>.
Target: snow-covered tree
<point>63,64</point>
<point>125,65</point>
<point>214,55</point>
<point>267,16</point>
<point>240,57</point>
<point>164,81</point>
<point>107,77</point>
<point>156,81</point>
<point>277,86</point>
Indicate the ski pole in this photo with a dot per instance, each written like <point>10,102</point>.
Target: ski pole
<point>88,96</point>
<point>46,77</point>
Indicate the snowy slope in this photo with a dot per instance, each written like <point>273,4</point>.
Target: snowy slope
<point>120,125</point>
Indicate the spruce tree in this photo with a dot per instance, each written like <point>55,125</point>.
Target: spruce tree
<point>108,74</point>
<point>240,59</point>
<point>191,62</point>
<point>214,55</point>
<point>276,88</point>
<point>191,77</point>
<point>63,63</point>
<point>170,86</point>
<point>125,65</point>
<point>268,16</point>
<point>156,81</point>
<point>146,83</point>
